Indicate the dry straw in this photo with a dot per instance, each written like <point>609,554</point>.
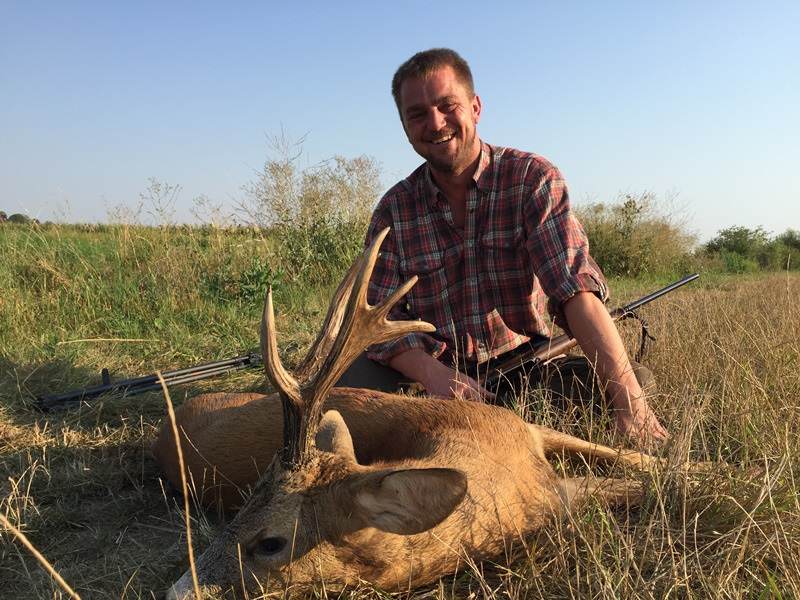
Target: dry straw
<point>40,557</point>
<point>184,486</point>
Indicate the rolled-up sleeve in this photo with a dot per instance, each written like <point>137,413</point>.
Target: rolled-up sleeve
<point>558,247</point>
<point>386,278</point>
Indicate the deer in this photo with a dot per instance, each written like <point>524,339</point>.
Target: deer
<point>353,486</point>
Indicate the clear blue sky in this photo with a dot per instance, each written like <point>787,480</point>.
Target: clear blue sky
<point>695,99</point>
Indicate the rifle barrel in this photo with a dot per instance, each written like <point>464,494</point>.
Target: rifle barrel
<point>658,293</point>
<point>147,383</point>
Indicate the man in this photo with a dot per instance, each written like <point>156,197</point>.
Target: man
<point>490,234</point>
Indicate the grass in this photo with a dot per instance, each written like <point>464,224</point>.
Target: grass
<point>83,487</point>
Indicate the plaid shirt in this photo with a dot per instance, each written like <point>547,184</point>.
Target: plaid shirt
<point>485,287</point>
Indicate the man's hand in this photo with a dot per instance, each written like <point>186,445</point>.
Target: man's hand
<point>636,420</point>
<point>599,339</point>
<point>437,378</point>
<point>452,384</point>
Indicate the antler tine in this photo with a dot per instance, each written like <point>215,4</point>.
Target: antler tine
<point>284,383</point>
<point>330,328</point>
<point>362,326</point>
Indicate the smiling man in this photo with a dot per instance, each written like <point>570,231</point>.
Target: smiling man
<point>498,252</point>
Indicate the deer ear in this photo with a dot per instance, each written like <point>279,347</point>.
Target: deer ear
<point>334,436</point>
<point>410,501</point>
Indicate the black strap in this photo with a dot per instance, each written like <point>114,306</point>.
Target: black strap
<point>644,336</point>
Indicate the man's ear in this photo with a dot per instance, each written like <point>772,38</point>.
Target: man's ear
<point>477,107</point>
<point>334,436</point>
<point>408,501</point>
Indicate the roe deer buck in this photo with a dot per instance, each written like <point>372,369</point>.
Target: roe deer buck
<point>385,489</point>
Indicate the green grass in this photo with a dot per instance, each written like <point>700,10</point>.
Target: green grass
<point>84,488</point>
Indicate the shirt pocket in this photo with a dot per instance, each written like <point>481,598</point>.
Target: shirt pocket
<point>431,290</point>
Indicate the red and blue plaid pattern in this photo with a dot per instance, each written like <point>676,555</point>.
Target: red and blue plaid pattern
<point>486,287</point>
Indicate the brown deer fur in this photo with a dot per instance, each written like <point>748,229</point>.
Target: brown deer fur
<point>384,489</point>
<point>512,490</point>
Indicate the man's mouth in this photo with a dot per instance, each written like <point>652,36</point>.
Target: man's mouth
<point>443,139</point>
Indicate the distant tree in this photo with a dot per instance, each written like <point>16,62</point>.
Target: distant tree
<point>790,238</point>
<point>787,249</point>
<point>741,240</point>
<point>743,249</point>
<point>18,218</point>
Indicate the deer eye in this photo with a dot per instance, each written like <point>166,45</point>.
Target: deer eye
<point>269,546</point>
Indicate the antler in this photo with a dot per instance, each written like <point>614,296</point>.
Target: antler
<point>350,326</point>
<point>330,326</point>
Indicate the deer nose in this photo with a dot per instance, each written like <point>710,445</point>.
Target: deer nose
<point>180,590</point>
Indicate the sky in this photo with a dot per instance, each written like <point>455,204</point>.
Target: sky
<point>697,103</point>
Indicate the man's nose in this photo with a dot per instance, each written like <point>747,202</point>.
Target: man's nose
<point>436,120</point>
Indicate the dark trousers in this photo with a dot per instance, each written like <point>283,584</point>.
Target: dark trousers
<point>569,379</point>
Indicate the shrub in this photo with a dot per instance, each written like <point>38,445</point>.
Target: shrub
<point>19,219</point>
<point>745,250</point>
<point>733,262</point>
<point>741,240</point>
<point>230,282</point>
<point>318,214</point>
<point>791,239</point>
<point>633,237</point>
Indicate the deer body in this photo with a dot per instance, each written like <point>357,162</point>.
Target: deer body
<point>384,489</point>
<point>230,439</point>
<point>512,489</point>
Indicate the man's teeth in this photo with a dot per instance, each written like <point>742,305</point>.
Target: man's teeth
<point>443,140</point>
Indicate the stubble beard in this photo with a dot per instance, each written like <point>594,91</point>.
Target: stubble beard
<point>457,164</point>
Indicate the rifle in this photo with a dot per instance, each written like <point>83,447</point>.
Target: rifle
<point>558,345</point>
<point>139,385</point>
<point>534,358</point>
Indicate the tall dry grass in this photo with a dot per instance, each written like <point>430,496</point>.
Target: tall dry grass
<point>83,487</point>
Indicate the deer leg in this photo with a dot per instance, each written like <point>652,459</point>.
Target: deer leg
<point>555,441</point>
<point>575,491</point>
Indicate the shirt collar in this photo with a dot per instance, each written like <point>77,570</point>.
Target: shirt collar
<point>482,175</point>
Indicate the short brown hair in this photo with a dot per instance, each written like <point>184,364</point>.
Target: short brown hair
<point>422,64</point>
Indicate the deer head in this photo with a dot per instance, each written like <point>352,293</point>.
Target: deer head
<point>316,514</point>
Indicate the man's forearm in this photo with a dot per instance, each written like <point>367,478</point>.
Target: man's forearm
<point>437,378</point>
<point>597,335</point>
<point>416,364</point>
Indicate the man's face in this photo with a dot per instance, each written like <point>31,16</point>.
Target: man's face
<point>439,117</point>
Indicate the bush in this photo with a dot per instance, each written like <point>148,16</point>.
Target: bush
<point>320,250</point>
<point>733,262</point>
<point>247,286</point>
<point>318,214</point>
<point>745,250</point>
<point>634,238</point>
<point>741,240</point>
<point>19,219</point>
<point>791,239</point>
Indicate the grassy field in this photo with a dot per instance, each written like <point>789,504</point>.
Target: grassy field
<point>84,488</point>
